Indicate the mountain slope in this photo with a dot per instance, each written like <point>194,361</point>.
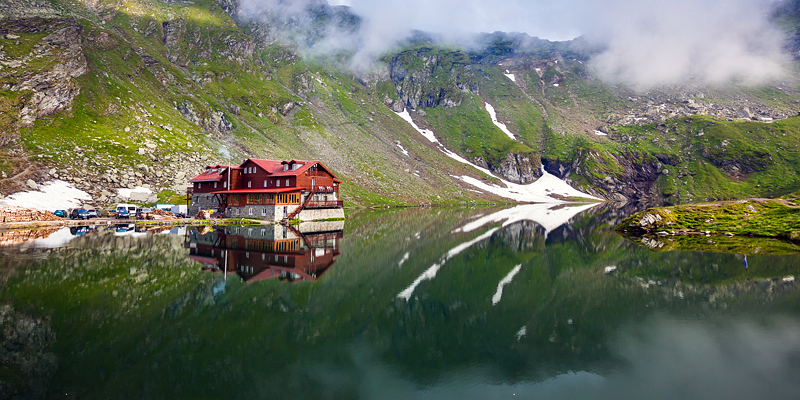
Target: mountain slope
<point>123,94</point>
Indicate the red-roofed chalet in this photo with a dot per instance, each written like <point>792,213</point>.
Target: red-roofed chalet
<point>268,189</point>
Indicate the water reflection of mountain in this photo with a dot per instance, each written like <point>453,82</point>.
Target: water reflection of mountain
<point>257,253</point>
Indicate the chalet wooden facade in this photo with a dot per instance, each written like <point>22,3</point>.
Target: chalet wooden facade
<point>268,189</point>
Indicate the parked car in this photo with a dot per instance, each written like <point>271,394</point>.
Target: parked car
<point>122,213</point>
<point>92,213</point>
<point>61,213</point>
<point>111,213</point>
<point>79,213</point>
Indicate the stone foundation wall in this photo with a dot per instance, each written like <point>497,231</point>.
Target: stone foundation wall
<point>202,201</point>
<point>321,213</point>
<point>276,213</point>
<point>270,213</point>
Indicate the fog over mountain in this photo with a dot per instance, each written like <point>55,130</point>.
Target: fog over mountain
<point>648,42</point>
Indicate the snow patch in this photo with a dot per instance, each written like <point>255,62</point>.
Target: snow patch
<point>600,133</point>
<point>511,76</point>
<point>543,190</point>
<point>505,281</point>
<point>127,192</point>
<point>53,195</point>
<point>555,84</point>
<point>424,132</point>
<point>497,123</point>
<point>402,149</point>
<point>430,273</point>
<point>546,189</point>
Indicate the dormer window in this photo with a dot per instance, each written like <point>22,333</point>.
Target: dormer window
<point>285,167</point>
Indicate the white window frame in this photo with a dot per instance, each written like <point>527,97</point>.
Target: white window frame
<point>265,183</point>
<point>215,185</point>
<point>248,183</point>
<point>287,182</point>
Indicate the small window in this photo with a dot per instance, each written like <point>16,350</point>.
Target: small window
<point>215,185</point>
<point>279,183</point>
<point>248,183</point>
<point>251,211</point>
<point>225,184</point>
<point>199,185</point>
<point>271,182</point>
<point>287,182</point>
<point>263,213</point>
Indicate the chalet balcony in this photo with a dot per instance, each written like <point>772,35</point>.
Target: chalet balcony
<point>324,204</point>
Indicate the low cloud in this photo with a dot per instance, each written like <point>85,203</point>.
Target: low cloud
<point>646,42</point>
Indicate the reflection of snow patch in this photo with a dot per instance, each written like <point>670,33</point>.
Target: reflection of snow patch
<point>505,281</point>
<point>539,191</point>
<point>497,123</point>
<point>403,260</point>
<point>430,273</point>
<point>600,133</point>
<point>548,216</point>
<point>53,195</point>
<point>522,332</point>
<point>56,239</point>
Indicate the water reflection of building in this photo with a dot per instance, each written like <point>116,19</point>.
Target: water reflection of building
<point>257,253</point>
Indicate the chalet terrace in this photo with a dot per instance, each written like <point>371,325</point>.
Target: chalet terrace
<point>268,189</point>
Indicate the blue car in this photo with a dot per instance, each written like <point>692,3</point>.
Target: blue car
<point>60,213</point>
<point>122,213</point>
<point>79,214</point>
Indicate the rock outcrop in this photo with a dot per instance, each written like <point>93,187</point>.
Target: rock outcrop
<point>53,88</point>
<point>428,78</point>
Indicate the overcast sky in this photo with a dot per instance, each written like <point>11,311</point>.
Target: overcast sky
<point>649,41</point>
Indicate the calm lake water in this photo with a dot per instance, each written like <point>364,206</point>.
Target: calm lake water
<point>408,304</point>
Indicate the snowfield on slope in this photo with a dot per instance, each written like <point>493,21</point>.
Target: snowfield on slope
<point>51,196</point>
<point>547,189</point>
<point>497,123</point>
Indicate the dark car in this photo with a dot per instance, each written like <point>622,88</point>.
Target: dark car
<point>60,213</point>
<point>79,214</point>
<point>92,213</point>
<point>122,213</point>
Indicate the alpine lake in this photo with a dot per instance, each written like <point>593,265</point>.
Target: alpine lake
<point>535,301</point>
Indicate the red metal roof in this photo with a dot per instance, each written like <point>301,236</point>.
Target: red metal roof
<point>258,191</point>
<point>212,174</point>
<point>204,260</point>
<point>216,173</point>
